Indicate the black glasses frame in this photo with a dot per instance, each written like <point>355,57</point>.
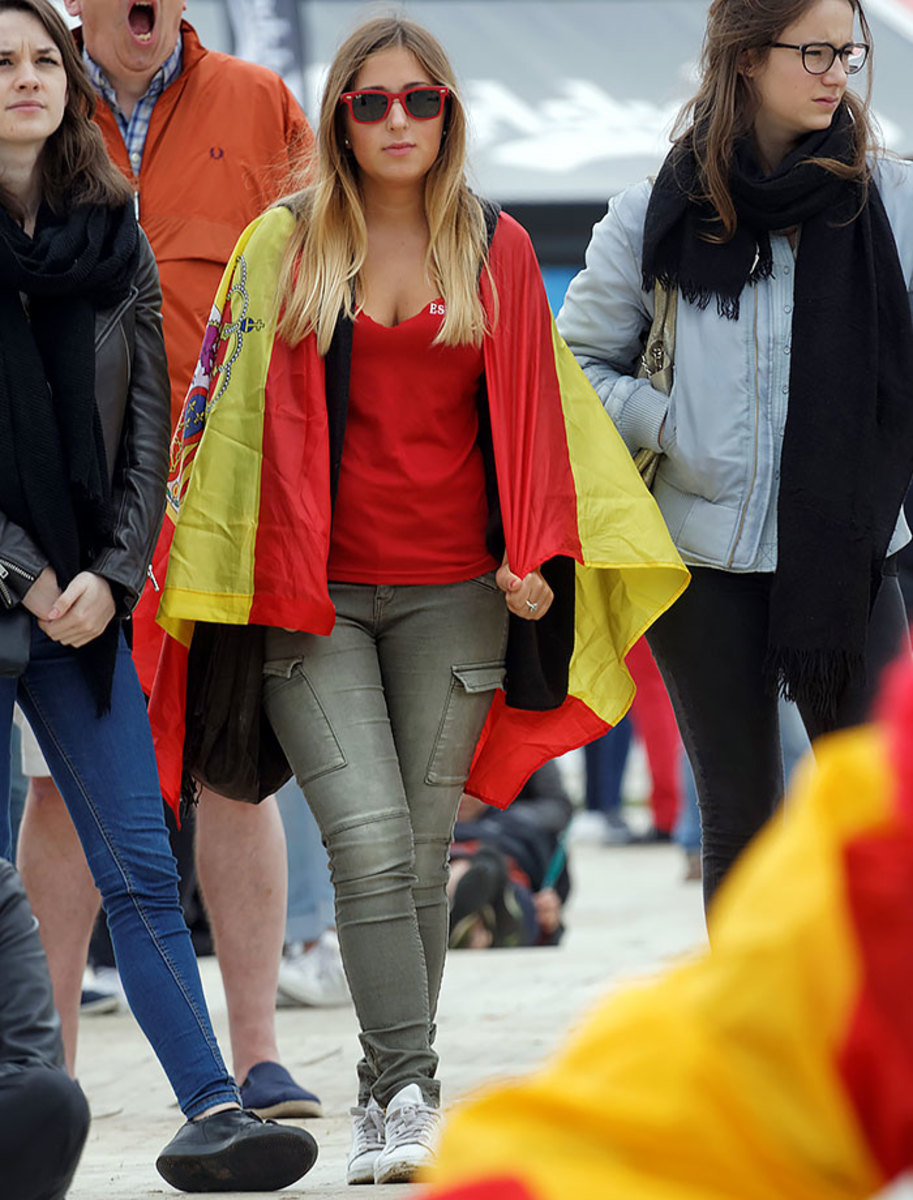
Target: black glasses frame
<point>843,52</point>
<point>349,98</point>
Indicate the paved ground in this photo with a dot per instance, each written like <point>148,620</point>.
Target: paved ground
<point>501,1012</point>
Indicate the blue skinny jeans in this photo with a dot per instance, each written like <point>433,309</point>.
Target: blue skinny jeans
<point>105,770</point>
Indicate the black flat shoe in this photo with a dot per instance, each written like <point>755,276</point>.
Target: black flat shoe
<point>234,1151</point>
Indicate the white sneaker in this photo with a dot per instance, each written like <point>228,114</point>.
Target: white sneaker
<point>102,991</point>
<point>315,977</point>
<point>587,827</point>
<point>410,1134</point>
<point>367,1142</point>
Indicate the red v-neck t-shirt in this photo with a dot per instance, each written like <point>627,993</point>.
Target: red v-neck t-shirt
<point>411,504</point>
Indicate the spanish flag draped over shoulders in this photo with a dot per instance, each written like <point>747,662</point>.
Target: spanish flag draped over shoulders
<point>248,516</point>
<point>778,1066</point>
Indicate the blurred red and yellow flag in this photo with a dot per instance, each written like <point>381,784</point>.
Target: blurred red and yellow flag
<point>778,1066</point>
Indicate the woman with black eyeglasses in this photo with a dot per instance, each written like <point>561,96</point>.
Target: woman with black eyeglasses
<point>787,440</point>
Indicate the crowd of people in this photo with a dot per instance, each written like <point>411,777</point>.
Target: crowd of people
<point>400,556</point>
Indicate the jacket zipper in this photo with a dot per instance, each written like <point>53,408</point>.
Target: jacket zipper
<point>5,568</point>
<point>757,421</point>
<point>115,317</point>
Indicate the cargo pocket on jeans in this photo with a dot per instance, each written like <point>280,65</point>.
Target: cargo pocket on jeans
<point>468,700</point>
<point>299,721</point>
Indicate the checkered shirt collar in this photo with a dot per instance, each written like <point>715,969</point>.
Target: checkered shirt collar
<point>135,128</point>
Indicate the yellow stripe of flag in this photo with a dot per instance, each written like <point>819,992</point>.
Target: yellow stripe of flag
<point>211,568</point>
<point>638,571</point>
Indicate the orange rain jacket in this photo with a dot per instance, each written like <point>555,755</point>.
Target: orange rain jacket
<point>222,144</point>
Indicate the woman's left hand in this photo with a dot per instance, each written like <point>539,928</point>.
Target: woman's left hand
<point>529,597</point>
<point>81,612</point>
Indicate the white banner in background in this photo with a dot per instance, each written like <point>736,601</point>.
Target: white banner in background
<point>269,32</point>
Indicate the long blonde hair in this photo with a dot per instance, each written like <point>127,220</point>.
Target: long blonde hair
<point>327,249</point>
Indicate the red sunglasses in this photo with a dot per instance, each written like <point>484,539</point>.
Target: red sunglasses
<point>421,103</point>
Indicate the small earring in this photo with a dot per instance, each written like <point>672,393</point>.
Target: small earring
<point>347,143</point>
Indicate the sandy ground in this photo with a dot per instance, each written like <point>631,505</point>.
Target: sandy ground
<point>501,1013</point>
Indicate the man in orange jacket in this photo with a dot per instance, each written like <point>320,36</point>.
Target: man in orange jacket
<point>207,141</point>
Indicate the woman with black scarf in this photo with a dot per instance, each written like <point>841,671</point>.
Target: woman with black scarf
<point>84,424</point>
<point>787,438</point>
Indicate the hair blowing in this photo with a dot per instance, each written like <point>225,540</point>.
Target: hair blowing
<point>725,106</point>
<point>74,165</point>
<point>328,247</point>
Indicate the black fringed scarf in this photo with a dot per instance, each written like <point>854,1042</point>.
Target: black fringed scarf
<point>847,451</point>
<point>53,470</point>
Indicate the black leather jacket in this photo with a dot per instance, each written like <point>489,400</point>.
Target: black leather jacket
<point>132,393</point>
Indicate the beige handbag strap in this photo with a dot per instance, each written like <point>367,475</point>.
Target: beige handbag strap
<point>656,365</point>
<point>658,355</point>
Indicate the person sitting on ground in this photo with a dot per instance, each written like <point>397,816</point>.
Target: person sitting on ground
<point>509,878</point>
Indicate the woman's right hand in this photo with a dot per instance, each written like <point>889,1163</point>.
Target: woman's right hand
<point>80,613</point>
<point>42,595</point>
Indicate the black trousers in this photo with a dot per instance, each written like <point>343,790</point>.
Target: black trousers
<point>710,649</point>
<point>44,1120</point>
<point>44,1117</point>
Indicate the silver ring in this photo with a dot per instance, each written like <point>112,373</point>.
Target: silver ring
<point>531,605</point>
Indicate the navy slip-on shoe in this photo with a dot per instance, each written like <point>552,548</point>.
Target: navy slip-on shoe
<point>236,1151</point>
<point>270,1091</point>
